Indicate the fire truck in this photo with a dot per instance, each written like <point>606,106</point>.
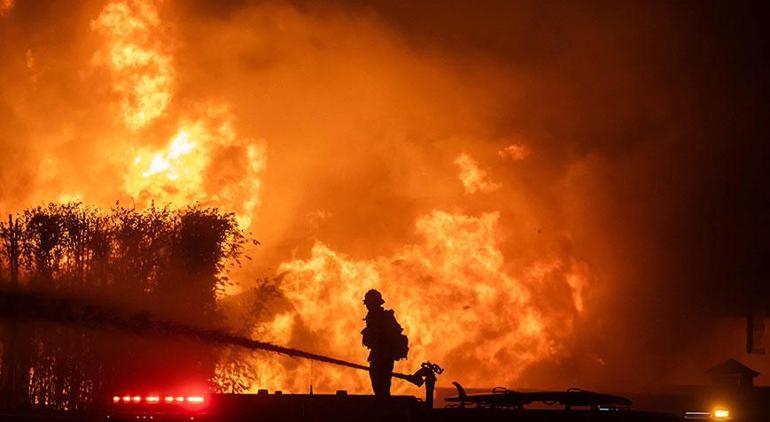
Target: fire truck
<point>498,405</point>
<point>281,407</point>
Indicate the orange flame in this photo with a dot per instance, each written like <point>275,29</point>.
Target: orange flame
<point>515,152</point>
<point>453,291</point>
<point>452,295</point>
<point>205,160</point>
<point>142,69</point>
<point>474,179</point>
<point>461,301</point>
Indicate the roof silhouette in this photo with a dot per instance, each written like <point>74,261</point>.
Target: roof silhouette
<point>731,367</point>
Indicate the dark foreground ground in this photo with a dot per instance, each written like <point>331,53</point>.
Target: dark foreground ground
<point>323,408</point>
<point>343,407</point>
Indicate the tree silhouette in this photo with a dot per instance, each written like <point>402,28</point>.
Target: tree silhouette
<point>167,262</point>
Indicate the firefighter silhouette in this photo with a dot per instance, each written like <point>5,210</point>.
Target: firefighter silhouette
<point>383,336</point>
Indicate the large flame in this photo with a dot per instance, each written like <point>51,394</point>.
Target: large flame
<point>473,177</point>
<point>204,161</point>
<point>452,295</point>
<point>142,69</point>
<point>461,301</point>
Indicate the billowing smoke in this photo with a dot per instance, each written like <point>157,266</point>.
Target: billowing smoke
<point>551,195</point>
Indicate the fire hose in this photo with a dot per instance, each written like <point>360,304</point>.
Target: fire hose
<point>24,305</point>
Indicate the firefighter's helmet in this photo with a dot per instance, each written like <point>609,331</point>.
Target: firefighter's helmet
<point>373,297</point>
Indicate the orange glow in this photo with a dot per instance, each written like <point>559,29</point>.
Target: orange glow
<point>473,178</point>
<point>465,297</point>
<point>195,399</point>
<point>6,6</point>
<point>181,171</point>
<point>175,174</point>
<point>141,68</point>
<point>463,287</point>
<point>721,413</point>
<point>515,152</point>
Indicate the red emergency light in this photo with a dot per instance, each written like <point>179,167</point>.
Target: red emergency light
<point>155,399</point>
